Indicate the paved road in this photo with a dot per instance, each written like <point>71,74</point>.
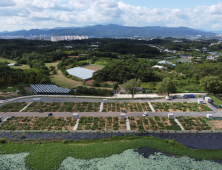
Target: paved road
<point>50,99</point>
<point>67,114</point>
<point>215,111</point>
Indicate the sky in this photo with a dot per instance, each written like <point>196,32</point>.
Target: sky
<point>33,14</point>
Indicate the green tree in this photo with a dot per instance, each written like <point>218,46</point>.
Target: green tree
<point>116,86</point>
<point>54,72</point>
<point>211,84</point>
<point>167,86</point>
<point>45,79</point>
<point>52,68</point>
<point>131,86</point>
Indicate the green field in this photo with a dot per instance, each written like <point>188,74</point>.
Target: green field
<point>8,60</point>
<point>50,155</point>
<point>23,67</point>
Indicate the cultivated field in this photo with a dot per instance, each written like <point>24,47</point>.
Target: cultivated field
<point>63,107</point>
<point>93,67</point>
<point>39,123</point>
<point>194,123</point>
<point>101,123</point>
<point>12,107</point>
<point>178,107</point>
<point>128,107</point>
<point>153,123</point>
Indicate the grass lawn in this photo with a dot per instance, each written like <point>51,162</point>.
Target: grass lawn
<point>8,60</point>
<point>60,80</point>
<point>49,155</point>
<point>216,100</point>
<point>23,67</point>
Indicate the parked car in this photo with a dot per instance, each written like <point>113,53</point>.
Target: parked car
<point>49,114</point>
<point>145,114</point>
<point>168,98</point>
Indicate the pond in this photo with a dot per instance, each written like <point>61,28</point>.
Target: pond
<point>147,152</point>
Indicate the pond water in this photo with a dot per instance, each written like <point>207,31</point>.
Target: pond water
<point>147,151</point>
<point>195,141</point>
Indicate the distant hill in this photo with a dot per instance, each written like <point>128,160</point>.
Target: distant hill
<point>112,30</point>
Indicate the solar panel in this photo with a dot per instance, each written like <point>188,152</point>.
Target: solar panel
<point>49,89</point>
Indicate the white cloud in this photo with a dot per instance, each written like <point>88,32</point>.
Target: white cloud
<point>52,13</point>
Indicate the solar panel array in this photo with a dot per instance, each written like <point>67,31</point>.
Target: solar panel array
<point>81,73</point>
<point>49,89</point>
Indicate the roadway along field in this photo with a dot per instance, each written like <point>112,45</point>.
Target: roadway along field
<point>50,99</point>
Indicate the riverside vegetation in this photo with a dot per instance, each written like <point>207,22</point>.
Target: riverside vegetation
<point>40,156</point>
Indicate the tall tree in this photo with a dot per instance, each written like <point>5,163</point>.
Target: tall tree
<point>211,84</point>
<point>131,86</point>
<point>167,86</point>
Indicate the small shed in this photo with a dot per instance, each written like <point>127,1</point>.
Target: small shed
<point>209,116</point>
<point>123,116</point>
<point>75,115</point>
<point>200,101</point>
<point>208,99</point>
<point>170,115</point>
<point>104,100</point>
<point>38,100</point>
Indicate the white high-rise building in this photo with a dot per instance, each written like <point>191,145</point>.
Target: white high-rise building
<point>68,37</point>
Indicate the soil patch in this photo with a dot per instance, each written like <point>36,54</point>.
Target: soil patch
<point>93,67</point>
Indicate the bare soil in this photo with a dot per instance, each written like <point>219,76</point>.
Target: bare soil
<point>216,123</point>
<point>93,67</point>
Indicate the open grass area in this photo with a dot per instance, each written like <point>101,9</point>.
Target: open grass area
<point>62,81</point>
<point>23,67</point>
<point>101,123</point>
<point>216,100</point>
<point>50,155</point>
<point>178,107</point>
<point>8,60</point>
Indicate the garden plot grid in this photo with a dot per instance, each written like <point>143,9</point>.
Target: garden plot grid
<point>101,123</point>
<point>39,123</point>
<point>12,107</point>
<point>153,123</point>
<point>128,107</point>
<point>63,107</point>
<point>178,107</point>
<point>194,123</point>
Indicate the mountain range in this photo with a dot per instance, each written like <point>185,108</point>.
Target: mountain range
<point>113,30</point>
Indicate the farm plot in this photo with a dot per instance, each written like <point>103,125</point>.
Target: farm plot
<point>101,123</point>
<point>39,123</point>
<point>63,107</point>
<point>128,107</point>
<point>217,124</point>
<point>12,107</point>
<point>93,67</point>
<point>178,107</point>
<point>194,123</point>
<point>153,123</point>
